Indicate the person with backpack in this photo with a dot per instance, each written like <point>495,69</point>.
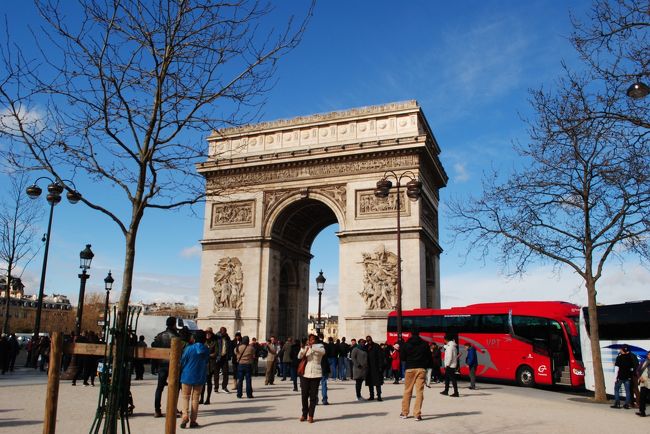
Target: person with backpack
<point>194,367</point>
<point>163,340</point>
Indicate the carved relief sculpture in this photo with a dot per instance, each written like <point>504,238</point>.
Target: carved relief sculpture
<point>369,206</point>
<point>228,286</point>
<point>379,279</point>
<point>233,214</point>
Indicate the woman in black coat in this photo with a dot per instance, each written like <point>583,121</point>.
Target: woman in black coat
<point>376,363</point>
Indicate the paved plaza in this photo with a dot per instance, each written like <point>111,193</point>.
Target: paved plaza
<point>493,408</point>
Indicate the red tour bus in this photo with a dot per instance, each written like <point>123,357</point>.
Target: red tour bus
<point>531,342</point>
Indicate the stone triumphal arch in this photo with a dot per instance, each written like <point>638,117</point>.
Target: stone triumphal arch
<point>272,187</point>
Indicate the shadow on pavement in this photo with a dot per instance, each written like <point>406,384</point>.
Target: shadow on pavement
<point>351,416</point>
<point>18,422</point>
<point>246,420</point>
<point>459,413</point>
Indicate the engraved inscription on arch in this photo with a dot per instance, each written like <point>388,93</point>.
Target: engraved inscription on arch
<point>240,213</point>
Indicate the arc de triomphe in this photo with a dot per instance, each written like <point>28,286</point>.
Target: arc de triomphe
<point>272,187</point>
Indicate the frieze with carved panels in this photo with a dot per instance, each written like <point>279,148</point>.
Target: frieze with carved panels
<point>240,213</point>
<point>370,206</point>
<point>319,170</point>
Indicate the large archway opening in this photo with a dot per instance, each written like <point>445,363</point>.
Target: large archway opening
<point>293,233</point>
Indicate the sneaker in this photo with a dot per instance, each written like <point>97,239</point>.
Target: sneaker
<point>359,398</point>
<point>444,392</point>
<point>418,418</point>
<point>403,416</point>
<point>226,391</point>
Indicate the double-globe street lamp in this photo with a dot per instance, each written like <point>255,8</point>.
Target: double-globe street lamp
<point>413,192</point>
<point>320,285</point>
<point>53,197</point>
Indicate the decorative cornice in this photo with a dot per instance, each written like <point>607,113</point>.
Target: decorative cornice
<point>315,119</point>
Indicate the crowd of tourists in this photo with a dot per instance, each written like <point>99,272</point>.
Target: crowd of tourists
<point>213,362</point>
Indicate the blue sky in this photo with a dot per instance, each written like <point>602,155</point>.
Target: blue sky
<point>468,64</point>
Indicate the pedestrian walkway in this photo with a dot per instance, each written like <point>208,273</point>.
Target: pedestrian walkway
<point>493,408</point>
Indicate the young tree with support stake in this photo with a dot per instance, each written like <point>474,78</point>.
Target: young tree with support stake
<point>125,92</point>
<point>583,196</point>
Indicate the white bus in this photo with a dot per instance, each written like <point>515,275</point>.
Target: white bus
<point>618,325</point>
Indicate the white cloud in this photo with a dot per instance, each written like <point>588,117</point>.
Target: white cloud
<point>191,252</point>
<point>460,172</point>
<point>618,284</point>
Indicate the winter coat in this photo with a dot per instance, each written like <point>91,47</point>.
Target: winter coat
<point>194,364</point>
<point>416,353</point>
<point>451,355</point>
<point>471,359</point>
<point>359,363</point>
<point>244,354</point>
<point>314,356</point>
<point>395,363</point>
<point>375,376</point>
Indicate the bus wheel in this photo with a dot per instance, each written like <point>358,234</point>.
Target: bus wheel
<point>525,376</point>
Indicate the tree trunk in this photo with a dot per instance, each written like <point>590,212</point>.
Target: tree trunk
<point>5,323</point>
<point>594,338</point>
<point>113,404</point>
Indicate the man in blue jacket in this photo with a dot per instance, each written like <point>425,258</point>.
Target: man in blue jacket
<point>472,364</point>
<point>194,367</point>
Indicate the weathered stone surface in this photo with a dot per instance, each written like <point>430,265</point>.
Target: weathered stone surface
<point>273,187</point>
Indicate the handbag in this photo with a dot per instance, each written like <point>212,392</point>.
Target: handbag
<point>302,364</point>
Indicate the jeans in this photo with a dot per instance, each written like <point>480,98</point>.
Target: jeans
<point>427,378</point>
<point>323,388</point>
<point>163,372</point>
<point>617,391</point>
<point>414,379</point>
<point>450,375</point>
<point>309,395</point>
<point>341,364</point>
<point>222,366</point>
<point>193,391</point>
<point>472,377</point>
<point>244,372</point>
<point>332,361</point>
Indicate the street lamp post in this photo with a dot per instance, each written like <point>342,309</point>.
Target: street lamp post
<point>320,285</point>
<point>413,192</point>
<point>85,259</point>
<point>53,197</point>
<point>108,285</point>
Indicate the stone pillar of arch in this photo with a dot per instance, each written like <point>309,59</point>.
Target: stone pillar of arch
<point>272,187</point>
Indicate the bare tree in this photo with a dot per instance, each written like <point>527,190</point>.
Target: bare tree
<point>583,195</point>
<point>18,230</point>
<point>124,91</point>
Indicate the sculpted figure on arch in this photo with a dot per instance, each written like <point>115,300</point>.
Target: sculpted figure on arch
<point>228,284</point>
